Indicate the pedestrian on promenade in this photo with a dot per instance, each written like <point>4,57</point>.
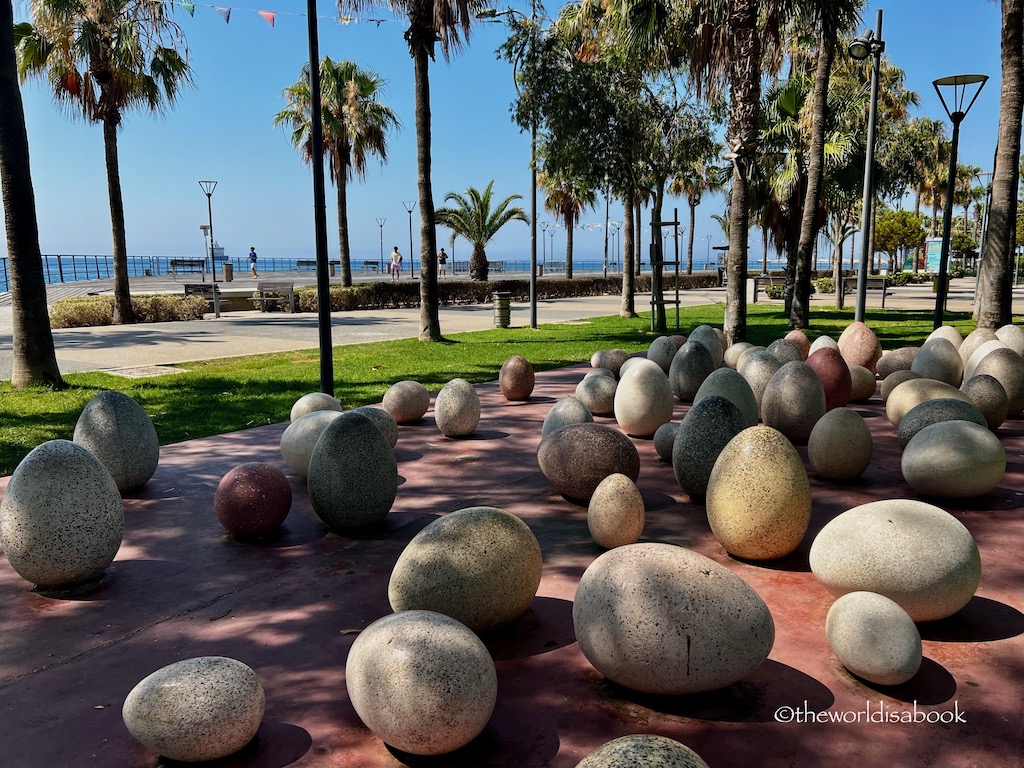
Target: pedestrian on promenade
<point>396,264</point>
<point>442,262</point>
<point>252,262</point>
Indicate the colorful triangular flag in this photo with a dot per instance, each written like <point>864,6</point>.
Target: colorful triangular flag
<point>224,12</point>
<point>268,15</point>
<point>189,8</point>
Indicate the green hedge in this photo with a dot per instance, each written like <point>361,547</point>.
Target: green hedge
<point>86,311</point>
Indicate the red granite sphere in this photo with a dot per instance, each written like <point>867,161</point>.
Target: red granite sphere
<point>253,499</point>
<point>834,374</point>
<point>516,378</point>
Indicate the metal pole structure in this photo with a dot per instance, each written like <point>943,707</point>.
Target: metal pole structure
<point>380,223</point>
<point>544,255</point>
<point>708,262</point>
<point>208,187</point>
<point>607,204</point>
<point>410,206</point>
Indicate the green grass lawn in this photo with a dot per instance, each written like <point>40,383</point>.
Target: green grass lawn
<point>220,396</point>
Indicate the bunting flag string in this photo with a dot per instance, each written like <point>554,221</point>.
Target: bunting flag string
<point>268,15</point>
<point>271,16</point>
<point>189,8</point>
<point>224,12</point>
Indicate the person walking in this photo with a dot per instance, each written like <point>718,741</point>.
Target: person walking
<point>396,264</point>
<point>252,262</point>
<point>442,263</point>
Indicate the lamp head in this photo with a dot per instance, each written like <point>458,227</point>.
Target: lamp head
<point>860,47</point>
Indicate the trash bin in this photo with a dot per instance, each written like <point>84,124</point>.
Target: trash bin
<point>540,270</point>
<point>502,309</point>
<point>721,277</point>
<point>330,269</point>
<point>229,272</point>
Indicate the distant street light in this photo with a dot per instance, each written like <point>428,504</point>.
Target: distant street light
<point>208,187</point>
<point>380,223</point>
<point>410,205</point>
<point>616,225</point>
<point>544,257</point>
<point>708,262</point>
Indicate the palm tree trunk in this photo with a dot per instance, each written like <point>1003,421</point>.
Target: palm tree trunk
<point>638,236</point>
<point>430,324</point>
<point>123,312</point>
<point>628,306</point>
<point>689,248</point>
<point>658,262</point>
<point>997,271</point>
<point>343,246</point>
<point>35,361</point>
<point>569,229</point>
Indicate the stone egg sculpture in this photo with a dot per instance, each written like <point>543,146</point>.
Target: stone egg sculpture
<point>988,396</point>
<point>612,359</point>
<point>729,384</point>
<point>939,360</point>
<point>840,445</point>
<point>597,393</point>
<point>382,420</point>
<point>759,497</point>
<point>643,401</point>
<point>636,362</point>
<point>711,339</point>
<point>253,499</point>
<point>971,366</point>
<point>661,351</point>
<point>793,401</point>
<point>1013,337</point>
<point>61,518</point>
<point>953,459</point>
<point>823,342</point>
<point>692,364</point>
<point>747,354</point>
<point>516,378</point>
<point>197,709</point>
<point>642,750</point>
<point>662,619</point>
<point>706,429</point>
<point>758,370</point>
<point>914,553</point>
<point>932,412</point>
<point>300,437</point>
<point>568,410</point>
<point>314,401</point>
<point>678,340</point>
<point>121,435</point>
<point>834,374</point>
<point>421,681</point>
<point>665,439</point>
<point>896,360</point>
<point>859,346</point>
<point>615,515</point>
<point>893,380</point>
<point>949,333</point>
<point>785,351</point>
<point>599,372</point>
<point>973,340</point>
<point>799,339</point>
<point>479,565</point>
<point>862,384</point>
<point>732,355</point>
<point>457,409</point>
<point>912,393</point>
<point>874,638</point>
<point>353,475</point>
<point>1006,367</point>
<point>406,401</point>
<point>576,458</point>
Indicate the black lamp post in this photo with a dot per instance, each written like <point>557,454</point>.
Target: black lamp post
<point>380,223</point>
<point>208,187</point>
<point>544,255</point>
<point>959,85</point>
<point>410,206</point>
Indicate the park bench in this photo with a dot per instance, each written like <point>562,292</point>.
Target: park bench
<point>274,292</point>
<point>310,265</point>
<point>187,265</point>
<point>556,266</point>
<point>209,291</point>
<point>496,266</point>
<point>873,284</point>
<point>371,265</point>
<point>760,282</point>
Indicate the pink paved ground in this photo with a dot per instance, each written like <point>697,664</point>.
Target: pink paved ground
<point>181,588</point>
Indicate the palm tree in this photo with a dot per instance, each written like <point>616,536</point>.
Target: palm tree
<point>698,178</point>
<point>965,193</point>
<point>355,125</point>
<point>34,359</point>
<point>567,198</point>
<point>102,58</point>
<point>473,218</point>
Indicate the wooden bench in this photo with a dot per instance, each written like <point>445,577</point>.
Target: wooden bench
<point>274,292</point>
<point>759,282</point>
<point>371,265</point>
<point>209,291</point>
<point>187,265</point>
<point>307,264</point>
<point>873,284</point>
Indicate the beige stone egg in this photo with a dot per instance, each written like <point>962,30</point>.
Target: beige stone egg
<point>874,638</point>
<point>958,459</point>
<point>642,749</point>
<point>615,515</point>
<point>910,394</point>
<point>859,346</point>
<point>840,445</point>
<point>862,384</point>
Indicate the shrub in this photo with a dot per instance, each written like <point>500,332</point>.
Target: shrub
<point>825,285</point>
<point>87,311</point>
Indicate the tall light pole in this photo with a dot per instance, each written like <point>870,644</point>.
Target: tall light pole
<point>544,256</point>
<point>380,223</point>
<point>708,261</point>
<point>615,225</point>
<point>959,85</point>
<point>410,206</point>
<point>208,187</point>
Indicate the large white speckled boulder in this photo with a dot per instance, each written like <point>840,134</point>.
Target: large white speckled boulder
<point>612,359</point>
<point>793,401</point>
<point>313,402</point>
<point>874,638</point>
<point>729,384</point>
<point>893,380</point>
<point>568,410</point>
<point>636,362</point>
<point>988,396</point>
<point>949,333</point>
<point>953,459</point>
<point>711,338</point>
<point>643,401</point>
<point>703,434</point>
<point>516,378</point>
<point>912,393</point>
<point>479,565</point>
<point>615,515</point>
<point>1006,367</point>
<point>665,440</point>
<point>599,372</point>
<point>299,439</point>
<point>973,340</point>
<point>823,342</point>
<point>661,351</point>
<point>759,497</point>
<point>733,353</point>
<point>896,360</point>
<point>576,458</point>
<point>661,619</point>
<point>1013,337</point>
<point>382,420</point>
<point>121,435</point>
<point>197,709</point>
<point>353,475</point>
<point>840,445</point>
<point>457,409</point>
<point>758,370</point>
<point>914,553</point>
<point>785,351</point>
<point>859,346</point>
<point>644,750</point>
<point>406,401</point>
<point>62,517</point>
<point>971,366</point>
<point>932,412</point>
<point>421,681</point>
<point>692,364</point>
<point>939,360</point>
<point>597,393</point>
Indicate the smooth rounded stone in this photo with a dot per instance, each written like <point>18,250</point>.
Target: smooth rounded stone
<point>953,459</point>
<point>949,333</point>
<point>859,346</point>
<point>353,475</point>
<point>692,364</point>
<point>746,354</point>
<point>568,410</point>
<point>642,750</point>
<point>896,360</point>
<point>910,394</point>
<point>732,355</point>
<point>799,339</point>
<point>314,401</point>
<point>729,384</point>
<point>299,439</point>
<point>516,378</point>
<point>382,420</point>
<point>973,340</point>
<point>599,372</point>
<point>785,351</point>
<point>612,359</point>
<point>665,439</point>
<point>758,370</point>
<point>874,638</point>
<point>421,681</point>
<point>578,457</point>
<point>1006,367</point>
<point>678,340</point>
<point>457,409</point>
<point>406,401</point>
<point>703,434</point>
<point>637,362</point>
<point>62,517</point>
<point>661,351</point>
<point>195,710</point>
<point>759,497</point>
<point>893,380</point>
<point>932,412</point>
<point>122,436</point>
<point>834,374</point>
<point>597,393</point>
<point>643,401</point>
<point>914,553</point>
<point>793,401</point>
<point>711,338</point>
<point>988,396</point>
<point>662,619</point>
<point>253,499</point>
<point>479,565</point>
<point>615,515</point>
<point>939,360</point>
<point>823,342</point>
<point>862,384</point>
<point>978,355</point>
<point>1013,337</point>
<point>840,445</point>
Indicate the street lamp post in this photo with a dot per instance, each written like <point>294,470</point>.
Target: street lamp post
<point>208,187</point>
<point>708,262</point>
<point>380,223</point>
<point>544,255</point>
<point>410,206</point>
<point>959,85</point>
<point>615,225</point>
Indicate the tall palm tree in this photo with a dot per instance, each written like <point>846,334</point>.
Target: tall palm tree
<point>567,198</point>
<point>35,361</point>
<point>964,193</point>
<point>103,58</point>
<point>699,178</point>
<point>355,126</point>
<point>474,218</point>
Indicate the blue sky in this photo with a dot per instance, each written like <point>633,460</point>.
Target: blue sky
<point>222,129</point>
